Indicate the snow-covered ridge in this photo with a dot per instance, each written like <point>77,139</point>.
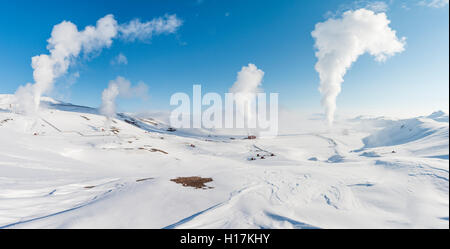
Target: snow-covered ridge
<point>424,136</point>
<point>439,116</point>
<point>6,99</point>
<point>406,131</point>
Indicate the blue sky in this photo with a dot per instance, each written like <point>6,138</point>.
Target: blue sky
<point>217,38</point>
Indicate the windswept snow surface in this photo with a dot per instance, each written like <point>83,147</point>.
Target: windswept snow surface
<point>61,169</point>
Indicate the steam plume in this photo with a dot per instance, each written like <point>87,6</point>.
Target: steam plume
<point>340,42</point>
<point>247,84</point>
<point>67,43</point>
<point>120,87</point>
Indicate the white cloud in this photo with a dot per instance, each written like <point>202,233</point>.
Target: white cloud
<point>377,6</point>
<point>434,3</point>
<point>339,43</point>
<point>137,30</point>
<point>120,59</point>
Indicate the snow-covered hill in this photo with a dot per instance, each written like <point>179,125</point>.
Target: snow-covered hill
<point>64,169</point>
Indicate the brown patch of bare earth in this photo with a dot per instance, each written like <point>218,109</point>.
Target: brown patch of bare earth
<point>152,149</point>
<point>193,181</point>
<point>158,150</point>
<point>115,130</point>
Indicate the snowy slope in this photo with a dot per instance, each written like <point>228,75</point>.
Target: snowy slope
<point>63,169</point>
<point>423,136</point>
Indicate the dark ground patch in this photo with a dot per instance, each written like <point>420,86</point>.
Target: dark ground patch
<point>193,181</point>
<point>144,179</point>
